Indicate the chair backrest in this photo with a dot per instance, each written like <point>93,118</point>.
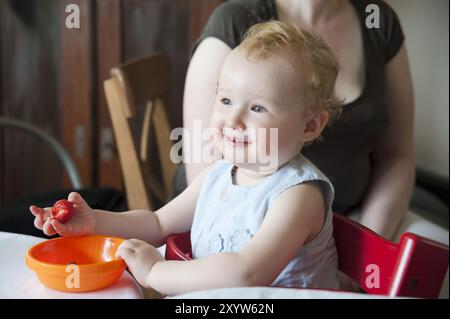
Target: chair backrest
<point>133,85</point>
<point>415,267</point>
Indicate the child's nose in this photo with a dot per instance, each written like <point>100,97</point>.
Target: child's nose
<point>236,120</point>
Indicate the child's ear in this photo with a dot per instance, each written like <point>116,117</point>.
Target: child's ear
<point>315,126</point>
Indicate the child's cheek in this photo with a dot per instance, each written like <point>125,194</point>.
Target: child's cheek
<point>267,141</point>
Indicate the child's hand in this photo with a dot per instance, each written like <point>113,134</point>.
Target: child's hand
<point>82,222</point>
<point>140,258</point>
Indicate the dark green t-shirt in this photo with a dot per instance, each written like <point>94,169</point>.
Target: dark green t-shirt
<point>344,155</point>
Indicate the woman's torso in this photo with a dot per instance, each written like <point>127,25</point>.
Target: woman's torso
<point>343,34</point>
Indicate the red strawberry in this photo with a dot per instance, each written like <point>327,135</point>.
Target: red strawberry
<point>62,211</point>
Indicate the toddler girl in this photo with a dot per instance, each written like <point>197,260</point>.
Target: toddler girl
<point>254,220</point>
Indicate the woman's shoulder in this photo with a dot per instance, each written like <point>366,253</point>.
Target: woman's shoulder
<point>368,6</point>
<point>382,23</point>
<point>230,20</point>
<point>253,9</point>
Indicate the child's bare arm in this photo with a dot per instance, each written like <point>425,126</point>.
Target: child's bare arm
<point>294,218</point>
<point>141,224</point>
<point>152,227</point>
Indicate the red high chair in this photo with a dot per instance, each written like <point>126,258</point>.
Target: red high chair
<point>415,267</point>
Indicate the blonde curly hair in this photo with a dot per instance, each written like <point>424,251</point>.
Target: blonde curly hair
<point>307,51</point>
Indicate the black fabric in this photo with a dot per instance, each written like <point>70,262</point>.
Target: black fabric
<point>179,182</point>
<point>15,216</point>
<point>230,20</point>
<point>344,155</point>
<point>435,184</point>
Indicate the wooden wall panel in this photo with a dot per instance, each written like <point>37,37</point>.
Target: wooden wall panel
<point>108,55</point>
<point>128,29</point>
<point>77,95</point>
<point>52,77</point>
<point>166,25</point>
<point>199,12</point>
<point>158,25</point>
<point>2,150</point>
<point>29,57</point>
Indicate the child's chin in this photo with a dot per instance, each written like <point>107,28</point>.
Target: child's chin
<point>252,165</point>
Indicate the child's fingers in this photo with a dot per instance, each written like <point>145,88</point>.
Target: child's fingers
<point>40,216</point>
<point>39,222</point>
<point>124,251</point>
<point>61,229</point>
<point>36,211</point>
<point>132,243</point>
<point>76,199</point>
<point>48,228</point>
<point>44,212</point>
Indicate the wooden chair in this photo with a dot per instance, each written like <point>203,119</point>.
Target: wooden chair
<point>415,267</point>
<point>135,85</point>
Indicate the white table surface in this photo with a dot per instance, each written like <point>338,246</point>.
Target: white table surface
<point>273,293</point>
<point>18,281</point>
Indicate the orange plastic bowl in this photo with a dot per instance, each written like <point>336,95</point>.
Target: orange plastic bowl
<point>77,264</point>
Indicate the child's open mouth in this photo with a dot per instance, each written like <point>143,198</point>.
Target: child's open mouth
<point>233,141</point>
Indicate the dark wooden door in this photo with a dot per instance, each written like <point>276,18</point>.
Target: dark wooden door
<point>52,76</point>
<point>30,40</point>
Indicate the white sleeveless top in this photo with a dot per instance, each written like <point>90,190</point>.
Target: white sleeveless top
<point>227,216</point>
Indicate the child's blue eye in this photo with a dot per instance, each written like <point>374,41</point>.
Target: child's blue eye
<point>225,101</point>
<point>258,109</point>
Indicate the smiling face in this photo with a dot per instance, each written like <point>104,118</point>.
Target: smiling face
<point>254,97</point>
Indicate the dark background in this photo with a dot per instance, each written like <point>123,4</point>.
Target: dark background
<point>52,77</point>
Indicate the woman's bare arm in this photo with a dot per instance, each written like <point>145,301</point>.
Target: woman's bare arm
<point>393,176</point>
<point>199,94</point>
